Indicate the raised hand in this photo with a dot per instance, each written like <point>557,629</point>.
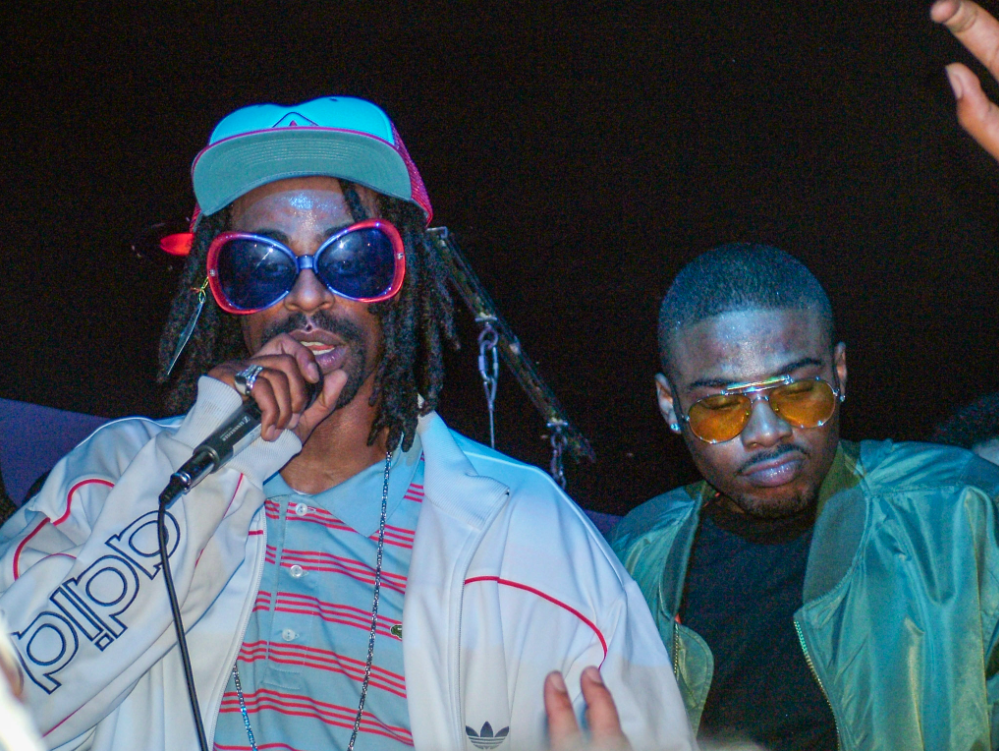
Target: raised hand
<point>979,32</point>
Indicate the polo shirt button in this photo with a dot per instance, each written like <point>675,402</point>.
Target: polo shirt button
<point>288,635</point>
<point>301,509</point>
<point>297,571</point>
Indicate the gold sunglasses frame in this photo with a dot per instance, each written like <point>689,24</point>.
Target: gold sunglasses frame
<point>755,387</point>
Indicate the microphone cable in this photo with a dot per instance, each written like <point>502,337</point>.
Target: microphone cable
<point>185,656</point>
<point>238,431</point>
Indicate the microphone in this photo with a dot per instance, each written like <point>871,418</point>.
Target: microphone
<point>238,431</point>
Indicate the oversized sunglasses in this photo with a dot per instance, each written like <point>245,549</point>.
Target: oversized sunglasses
<point>803,403</point>
<point>364,262</point>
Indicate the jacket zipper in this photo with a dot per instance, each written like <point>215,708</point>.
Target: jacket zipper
<point>462,563</point>
<point>456,693</point>
<point>676,649</point>
<point>217,705</point>
<point>811,666</point>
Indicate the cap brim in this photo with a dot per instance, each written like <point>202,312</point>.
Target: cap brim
<point>231,168</point>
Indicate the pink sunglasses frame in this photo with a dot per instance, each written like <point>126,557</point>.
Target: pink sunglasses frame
<point>398,251</point>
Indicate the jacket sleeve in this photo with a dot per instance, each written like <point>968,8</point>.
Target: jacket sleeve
<point>80,582</point>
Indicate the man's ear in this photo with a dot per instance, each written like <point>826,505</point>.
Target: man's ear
<point>839,363</point>
<point>664,396</point>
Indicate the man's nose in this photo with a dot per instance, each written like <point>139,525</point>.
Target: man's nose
<point>309,294</point>
<point>765,427</point>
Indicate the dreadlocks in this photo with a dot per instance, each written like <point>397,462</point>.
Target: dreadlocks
<point>416,323</point>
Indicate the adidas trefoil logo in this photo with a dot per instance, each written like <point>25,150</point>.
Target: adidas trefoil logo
<point>485,738</point>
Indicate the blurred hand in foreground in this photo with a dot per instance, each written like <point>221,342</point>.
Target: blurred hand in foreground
<point>17,731</point>
<point>979,32</point>
<point>601,715</point>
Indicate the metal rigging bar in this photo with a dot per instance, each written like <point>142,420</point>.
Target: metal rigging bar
<point>482,307</point>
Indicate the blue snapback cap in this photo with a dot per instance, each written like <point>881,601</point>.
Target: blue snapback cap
<point>343,137</point>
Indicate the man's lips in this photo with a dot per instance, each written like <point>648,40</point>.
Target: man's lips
<point>316,337</point>
<point>327,348</point>
<point>777,471</point>
<point>318,348</point>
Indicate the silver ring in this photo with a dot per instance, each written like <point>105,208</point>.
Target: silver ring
<point>245,379</point>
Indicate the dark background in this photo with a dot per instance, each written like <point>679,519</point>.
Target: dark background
<point>583,151</point>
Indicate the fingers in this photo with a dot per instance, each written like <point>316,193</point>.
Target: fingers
<point>977,115</point>
<point>979,32</point>
<point>324,404</point>
<point>601,713</point>
<point>285,345</point>
<point>974,28</point>
<point>279,395</point>
<point>563,730</point>
<point>282,388</point>
<point>11,672</point>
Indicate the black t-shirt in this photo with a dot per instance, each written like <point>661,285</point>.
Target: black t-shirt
<point>743,586</point>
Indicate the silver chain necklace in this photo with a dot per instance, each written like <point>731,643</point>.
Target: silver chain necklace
<point>371,631</point>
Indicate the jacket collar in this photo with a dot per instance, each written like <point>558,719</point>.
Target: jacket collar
<point>678,557</point>
<point>452,484</point>
<point>842,516</point>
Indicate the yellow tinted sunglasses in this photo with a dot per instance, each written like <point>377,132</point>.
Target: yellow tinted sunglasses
<point>802,402</point>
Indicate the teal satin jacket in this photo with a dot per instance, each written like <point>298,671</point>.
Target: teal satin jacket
<point>901,617</point>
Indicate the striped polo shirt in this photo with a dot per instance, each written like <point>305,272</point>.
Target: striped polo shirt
<point>302,661</point>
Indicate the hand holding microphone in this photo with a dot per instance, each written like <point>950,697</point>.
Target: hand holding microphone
<point>284,389</point>
<point>289,388</point>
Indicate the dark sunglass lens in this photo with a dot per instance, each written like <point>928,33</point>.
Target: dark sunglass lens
<point>360,264</point>
<point>719,418</point>
<point>806,404</point>
<point>253,274</point>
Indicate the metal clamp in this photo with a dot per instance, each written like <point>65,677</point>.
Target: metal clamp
<point>559,443</point>
<point>568,438</point>
<point>488,339</point>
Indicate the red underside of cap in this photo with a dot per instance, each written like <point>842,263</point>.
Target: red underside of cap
<point>177,245</point>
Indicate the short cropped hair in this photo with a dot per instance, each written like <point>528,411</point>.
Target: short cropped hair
<point>971,425</point>
<point>735,277</point>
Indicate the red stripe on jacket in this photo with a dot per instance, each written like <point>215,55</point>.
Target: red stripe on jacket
<point>549,598</point>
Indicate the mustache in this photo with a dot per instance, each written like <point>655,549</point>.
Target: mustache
<point>345,329</point>
<point>777,451</point>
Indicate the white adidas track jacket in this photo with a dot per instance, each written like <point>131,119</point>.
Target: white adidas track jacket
<point>508,581</point>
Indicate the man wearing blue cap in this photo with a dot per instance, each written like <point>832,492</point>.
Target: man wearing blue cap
<point>358,575</point>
